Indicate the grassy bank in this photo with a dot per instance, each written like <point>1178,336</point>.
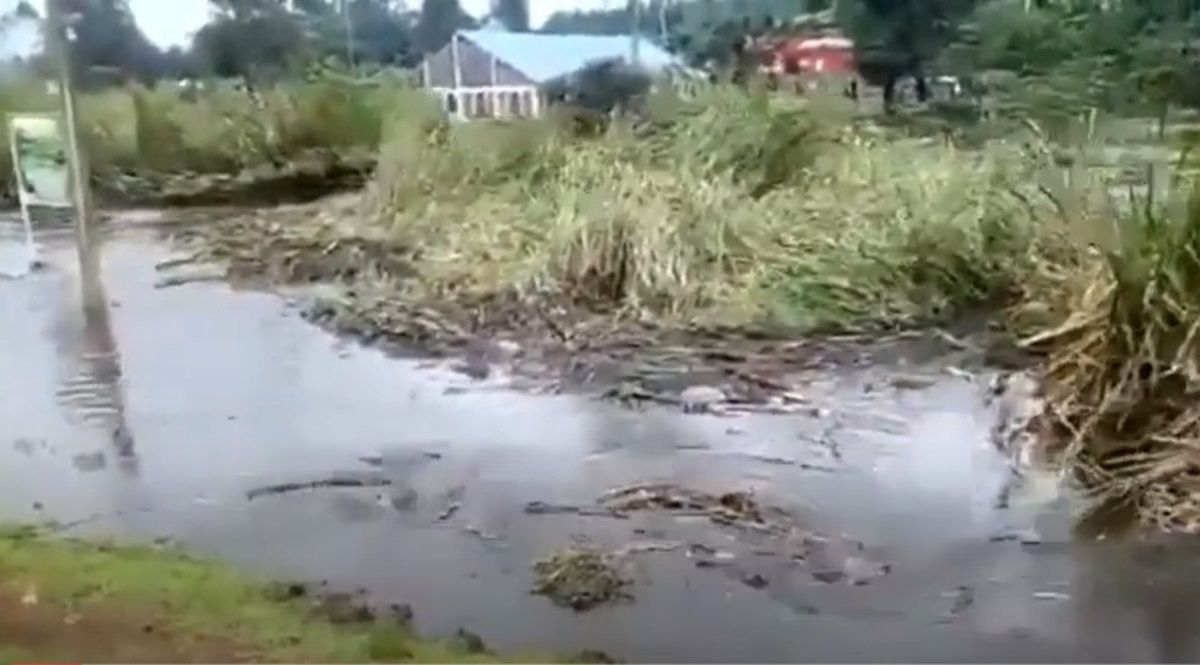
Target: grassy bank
<point>217,130</point>
<point>65,601</point>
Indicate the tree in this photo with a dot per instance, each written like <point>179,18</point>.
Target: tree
<point>245,9</point>
<point>600,22</point>
<point>514,14</point>
<point>382,32</point>
<point>18,35</point>
<point>22,14</point>
<point>895,38</point>
<point>1060,57</point>
<point>109,45</point>
<point>702,33</point>
<point>617,21</point>
<point>312,7</point>
<point>439,20</point>
<point>178,63</point>
<point>251,39</point>
<point>25,10</point>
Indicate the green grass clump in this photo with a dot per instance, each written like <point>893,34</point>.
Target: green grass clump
<point>199,600</point>
<point>1123,363</point>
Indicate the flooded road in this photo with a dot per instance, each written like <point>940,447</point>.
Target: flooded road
<point>158,423</point>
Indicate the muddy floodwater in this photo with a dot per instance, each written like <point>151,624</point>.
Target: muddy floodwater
<point>175,419</point>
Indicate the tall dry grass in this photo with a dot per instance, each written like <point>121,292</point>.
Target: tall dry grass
<point>1122,340</point>
<point>730,206</point>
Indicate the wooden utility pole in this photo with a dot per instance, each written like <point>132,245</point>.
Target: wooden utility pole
<point>60,52</point>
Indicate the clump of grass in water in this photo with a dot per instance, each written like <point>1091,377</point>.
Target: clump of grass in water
<point>579,578</point>
<point>1123,371</point>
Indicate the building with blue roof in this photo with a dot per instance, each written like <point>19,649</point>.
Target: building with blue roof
<point>496,73</point>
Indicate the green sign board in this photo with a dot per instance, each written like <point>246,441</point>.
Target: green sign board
<point>39,155</point>
<point>40,166</point>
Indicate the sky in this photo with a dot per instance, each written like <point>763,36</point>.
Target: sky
<point>172,22</point>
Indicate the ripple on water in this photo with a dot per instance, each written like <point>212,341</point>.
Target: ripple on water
<point>89,385</point>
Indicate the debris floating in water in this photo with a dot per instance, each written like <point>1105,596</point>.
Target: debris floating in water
<point>580,578</point>
<point>755,581</point>
<point>337,481</point>
<point>449,511</point>
<point>730,508</point>
<point>89,462</point>
<point>912,382</point>
<point>197,277</point>
<point>963,598</point>
<point>544,508</point>
<point>649,546</point>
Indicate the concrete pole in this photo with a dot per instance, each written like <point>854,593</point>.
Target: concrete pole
<point>349,35</point>
<point>460,98</point>
<point>662,21</point>
<point>635,34</point>
<point>57,40</point>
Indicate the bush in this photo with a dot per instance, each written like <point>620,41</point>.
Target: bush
<point>1124,353</point>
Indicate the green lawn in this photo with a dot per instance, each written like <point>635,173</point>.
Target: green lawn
<point>86,602</point>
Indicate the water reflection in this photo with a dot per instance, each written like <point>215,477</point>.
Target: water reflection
<point>90,382</point>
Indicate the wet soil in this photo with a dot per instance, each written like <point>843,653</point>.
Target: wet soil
<point>886,480</point>
<point>101,633</point>
<point>344,480</point>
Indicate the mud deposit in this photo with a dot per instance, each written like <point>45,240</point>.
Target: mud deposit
<point>862,527</point>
